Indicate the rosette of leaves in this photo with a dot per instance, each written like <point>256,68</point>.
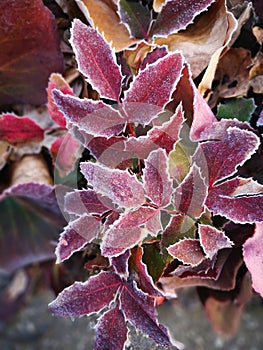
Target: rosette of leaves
<point>162,171</point>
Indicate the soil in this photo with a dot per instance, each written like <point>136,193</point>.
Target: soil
<point>35,328</point>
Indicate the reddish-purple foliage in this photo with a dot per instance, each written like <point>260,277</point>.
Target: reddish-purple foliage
<point>133,204</point>
<point>17,130</point>
<point>29,51</point>
<point>176,15</point>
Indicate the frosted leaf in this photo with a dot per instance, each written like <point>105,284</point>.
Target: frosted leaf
<point>118,185</point>
<point>157,182</point>
<point>95,60</point>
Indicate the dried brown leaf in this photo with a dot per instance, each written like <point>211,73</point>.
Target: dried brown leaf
<point>31,168</point>
<point>232,75</point>
<point>158,4</point>
<point>210,31</point>
<point>205,86</point>
<point>102,15</point>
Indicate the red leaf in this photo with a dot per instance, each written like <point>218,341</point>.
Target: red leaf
<point>189,251</point>
<point>70,242</point>
<point>118,185</point>
<point>153,56</point>
<point>92,117</point>
<point>17,130</point>
<point>126,232</point>
<point>203,117</point>
<point>212,240</point>
<point>177,15</point>
<point>29,51</point>
<point>56,81</point>
<point>87,201</point>
<point>79,232</point>
<point>120,263</point>
<point>220,159</point>
<point>157,182</point>
<point>95,60</point>
<point>152,88</point>
<point>83,298</point>
<point>253,257</point>
<point>164,136</point>
<point>239,200</point>
<point>65,152</point>
<point>140,274</point>
<point>111,331</point>
<point>190,195</point>
<point>139,310</point>
<point>110,151</point>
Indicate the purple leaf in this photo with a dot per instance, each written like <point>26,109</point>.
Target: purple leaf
<point>83,298</point>
<point>218,129</point>
<point>92,117</point>
<point>29,51</point>
<point>216,275</point>
<point>164,136</point>
<point>126,232</point>
<point>140,274</point>
<point>120,263</point>
<point>95,60</point>
<point>42,195</point>
<point>239,200</point>
<point>212,240</point>
<point>70,242</point>
<point>177,15</point>
<point>154,224</point>
<point>152,88</point>
<point>253,257</point>
<point>121,187</point>
<point>79,232</point>
<point>139,310</point>
<point>157,182</point>
<point>28,229</point>
<point>87,201</point>
<point>136,17</point>
<point>190,195</point>
<point>189,251</point>
<point>17,130</point>
<point>110,152</point>
<point>153,56</point>
<point>220,159</point>
<point>111,330</point>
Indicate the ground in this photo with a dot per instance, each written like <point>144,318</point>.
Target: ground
<point>35,328</point>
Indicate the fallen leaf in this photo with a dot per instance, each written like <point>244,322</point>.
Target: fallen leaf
<point>210,31</point>
<point>231,78</point>
<point>158,4</point>
<point>29,51</point>
<point>102,15</point>
<point>31,168</point>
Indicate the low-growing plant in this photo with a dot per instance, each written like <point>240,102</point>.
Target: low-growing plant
<point>165,203</point>
<point>154,189</point>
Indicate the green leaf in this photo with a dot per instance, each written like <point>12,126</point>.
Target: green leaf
<point>136,17</point>
<point>153,259</point>
<point>239,108</point>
